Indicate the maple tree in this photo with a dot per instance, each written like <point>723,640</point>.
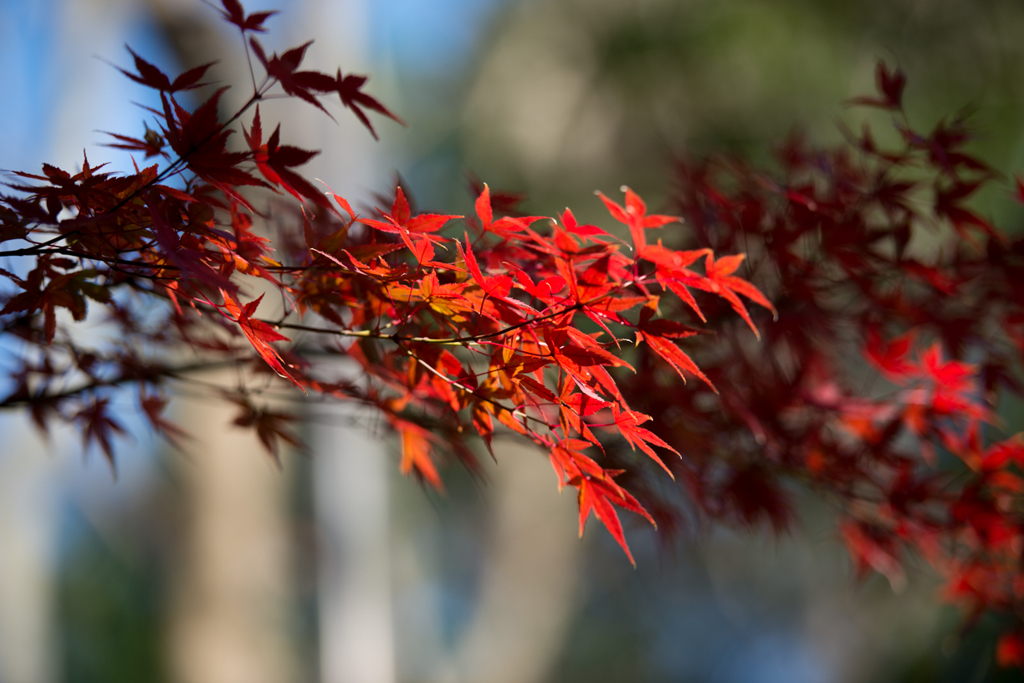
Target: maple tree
<point>607,349</point>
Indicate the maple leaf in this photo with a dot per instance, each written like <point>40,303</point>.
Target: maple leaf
<point>506,226</point>
<point>152,143</point>
<point>483,423</point>
<point>671,261</point>
<point>416,452</point>
<point>953,383</point>
<point>445,299</point>
<point>234,13</point>
<point>723,283</point>
<point>349,89</point>
<point>152,77</point>
<point>284,70</point>
<point>889,357</point>
<point>947,204</point>
<point>634,216</point>
<point>153,406</point>
<point>574,408</point>
<point>271,426</point>
<point>601,495</point>
<point>547,290</point>
<point>416,231</point>
<point>672,273</point>
<point>585,230</point>
<point>275,162</point>
<point>149,75</point>
<point>502,201</point>
<point>200,139</point>
<point>590,347</point>
<point>628,423</point>
<point>259,333</point>
<point>97,426</point>
<point>497,286</point>
<point>569,461</point>
<point>658,333</point>
<point>952,375</point>
<point>890,84</point>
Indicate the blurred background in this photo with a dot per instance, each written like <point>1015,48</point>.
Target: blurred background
<point>215,566</point>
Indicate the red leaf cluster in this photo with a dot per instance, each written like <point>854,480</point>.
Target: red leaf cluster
<point>899,310</point>
<point>518,327</point>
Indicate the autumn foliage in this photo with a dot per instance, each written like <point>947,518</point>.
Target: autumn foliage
<point>841,324</point>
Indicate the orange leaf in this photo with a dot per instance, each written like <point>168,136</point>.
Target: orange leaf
<point>416,455</point>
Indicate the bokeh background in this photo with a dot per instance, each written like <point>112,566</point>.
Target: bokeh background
<point>214,566</point>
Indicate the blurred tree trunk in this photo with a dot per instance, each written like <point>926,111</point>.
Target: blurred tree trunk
<point>352,500</point>
<point>28,527</point>
<point>350,464</point>
<point>233,604</point>
<point>529,590</point>
<point>232,601</point>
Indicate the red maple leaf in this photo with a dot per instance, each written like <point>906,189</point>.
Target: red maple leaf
<point>234,13</point>
<point>628,423</point>
<point>634,216</point>
<point>889,356</point>
<point>275,162</point>
<point>890,84</point>
<point>726,285</point>
<point>601,495</point>
<point>259,333</point>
